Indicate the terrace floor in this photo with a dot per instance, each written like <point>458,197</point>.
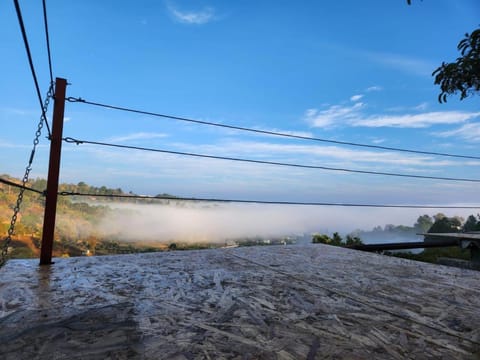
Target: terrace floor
<point>270,302</point>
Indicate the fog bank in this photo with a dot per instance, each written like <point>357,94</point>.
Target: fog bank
<point>207,222</point>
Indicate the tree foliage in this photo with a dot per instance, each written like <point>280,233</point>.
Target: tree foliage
<point>446,225</point>
<point>336,240</point>
<point>472,224</point>
<point>463,75</point>
<point>423,224</point>
<point>353,240</point>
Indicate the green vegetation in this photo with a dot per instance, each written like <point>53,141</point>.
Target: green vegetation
<point>260,241</point>
<point>336,240</point>
<point>191,246</point>
<point>463,75</point>
<point>439,223</point>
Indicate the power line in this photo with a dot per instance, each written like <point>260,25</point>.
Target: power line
<point>242,201</point>
<point>11,183</point>
<point>274,133</point>
<point>30,61</point>
<point>45,21</point>
<point>220,200</point>
<point>265,202</point>
<point>78,142</point>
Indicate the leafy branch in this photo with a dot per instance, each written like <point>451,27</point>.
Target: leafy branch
<point>462,76</point>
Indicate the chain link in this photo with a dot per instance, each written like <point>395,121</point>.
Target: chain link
<point>16,209</point>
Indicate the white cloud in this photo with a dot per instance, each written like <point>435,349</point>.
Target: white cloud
<point>335,114</point>
<point>355,116</point>
<point>356,97</point>
<point>416,120</point>
<point>287,132</point>
<point>200,17</point>
<point>469,132</point>
<point>333,156</point>
<point>313,153</point>
<point>374,88</point>
<point>137,136</point>
<point>152,173</point>
<point>421,107</point>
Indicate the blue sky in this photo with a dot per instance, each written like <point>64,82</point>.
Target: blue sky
<point>356,71</point>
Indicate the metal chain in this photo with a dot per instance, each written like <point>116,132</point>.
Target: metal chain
<point>16,209</point>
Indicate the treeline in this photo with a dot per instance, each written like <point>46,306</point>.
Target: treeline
<point>425,224</point>
<point>439,223</point>
<point>336,239</point>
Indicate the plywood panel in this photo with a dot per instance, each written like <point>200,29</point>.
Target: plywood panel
<point>271,302</point>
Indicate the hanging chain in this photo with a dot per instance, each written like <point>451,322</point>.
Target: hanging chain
<point>16,209</point>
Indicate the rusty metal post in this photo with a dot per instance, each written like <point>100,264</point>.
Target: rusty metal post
<point>53,172</point>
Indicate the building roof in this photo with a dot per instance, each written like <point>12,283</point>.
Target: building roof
<point>268,302</point>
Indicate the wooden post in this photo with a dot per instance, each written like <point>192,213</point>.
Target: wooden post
<point>53,173</point>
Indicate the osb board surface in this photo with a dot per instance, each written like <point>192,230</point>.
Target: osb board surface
<point>272,302</point>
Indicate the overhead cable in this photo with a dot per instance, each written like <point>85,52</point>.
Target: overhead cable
<point>47,37</point>
<point>273,133</point>
<point>30,61</point>
<point>265,202</point>
<point>78,142</point>
<point>19,186</point>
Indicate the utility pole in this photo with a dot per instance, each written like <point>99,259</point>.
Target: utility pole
<point>53,172</point>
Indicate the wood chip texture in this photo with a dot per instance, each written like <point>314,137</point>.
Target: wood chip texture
<point>270,302</point>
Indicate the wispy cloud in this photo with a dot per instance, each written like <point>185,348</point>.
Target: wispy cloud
<point>468,132</point>
<point>137,136</point>
<point>374,88</point>
<point>341,115</point>
<point>378,141</point>
<point>188,176</point>
<point>421,107</point>
<point>287,132</point>
<point>199,17</point>
<point>422,120</point>
<point>334,115</point>
<point>339,156</point>
<point>406,64</point>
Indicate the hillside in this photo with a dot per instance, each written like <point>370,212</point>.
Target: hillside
<point>77,220</point>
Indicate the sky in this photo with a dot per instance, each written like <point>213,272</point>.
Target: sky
<point>354,71</point>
